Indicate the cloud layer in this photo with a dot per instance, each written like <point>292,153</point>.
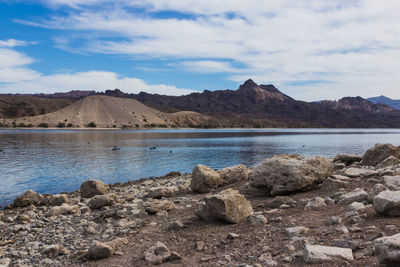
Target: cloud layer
<point>16,76</point>
<point>310,49</point>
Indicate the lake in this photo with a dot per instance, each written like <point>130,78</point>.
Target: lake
<point>54,161</point>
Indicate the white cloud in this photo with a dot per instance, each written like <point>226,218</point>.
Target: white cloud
<point>208,66</point>
<point>12,43</point>
<point>351,47</point>
<point>17,77</point>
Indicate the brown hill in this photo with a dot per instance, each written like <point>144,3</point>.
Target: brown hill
<point>266,106</point>
<point>15,106</point>
<point>107,111</point>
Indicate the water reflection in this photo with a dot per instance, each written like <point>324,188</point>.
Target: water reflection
<point>52,161</point>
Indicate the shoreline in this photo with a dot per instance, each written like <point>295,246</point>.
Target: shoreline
<point>121,224</point>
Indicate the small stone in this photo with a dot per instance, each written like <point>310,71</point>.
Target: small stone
<point>323,254</point>
<point>164,205</point>
<point>28,198</point>
<point>100,251</point>
<point>100,201</point>
<point>199,246</point>
<point>357,206</point>
<point>333,220</point>
<point>258,219</point>
<point>232,236</point>
<point>57,200</point>
<point>316,203</point>
<point>279,201</point>
<point>174,256</point>
<point>5,262</point>
<point>157,253</point>
<point>357,194</point>
<point>298,230</point>
<point>176,225</point>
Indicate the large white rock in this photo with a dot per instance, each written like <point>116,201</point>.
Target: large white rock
<point>234,174</point>
<point>387,203</point>
<point>204,179</point>
<point>283,174</point>
<point>322,254</point>
<point>387,250</point>
<point>229,205</point>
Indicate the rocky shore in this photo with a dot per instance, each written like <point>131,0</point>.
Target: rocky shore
<point>289,210</point>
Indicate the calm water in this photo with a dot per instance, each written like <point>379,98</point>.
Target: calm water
<point>53,161</point>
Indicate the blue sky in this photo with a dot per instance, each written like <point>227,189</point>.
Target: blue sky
<point>309,49</point>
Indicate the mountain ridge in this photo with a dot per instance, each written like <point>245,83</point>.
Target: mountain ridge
<point>385,100</point>
<point>254,105</point>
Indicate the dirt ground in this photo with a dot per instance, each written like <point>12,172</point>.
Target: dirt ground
<point>253,240</point>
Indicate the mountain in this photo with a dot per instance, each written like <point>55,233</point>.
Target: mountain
<point>266,106</point>
<point>74,94</point>
<point>14,106</point>
<point>251,105</point>
<point>385,100</point>
<point>106,111</point>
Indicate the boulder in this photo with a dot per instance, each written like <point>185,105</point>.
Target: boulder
<point>390,161</point>
<point>357,195</point>
<point>387,250</point>
<point>283,174</point>
<point>348,158</point>
<point>99,201</point>
<point>324,254</point>
<point>379,153</point>
<point>204,179</point>
<point>157,253</point>
<point>229,205</point>
<point>234,174</point>
<point>358,172</point>
<point>391,182</point>
<point>92,188</point>
<point>387,203</point>
<point>59,199</point>
<point>28,198</point>
<point>316,203</point>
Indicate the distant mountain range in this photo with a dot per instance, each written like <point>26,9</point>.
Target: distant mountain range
<point>251,105</point>
<point>385,100</point>
<point>266,106</point>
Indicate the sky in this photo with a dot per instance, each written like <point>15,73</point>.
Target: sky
<point>309,49</point>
